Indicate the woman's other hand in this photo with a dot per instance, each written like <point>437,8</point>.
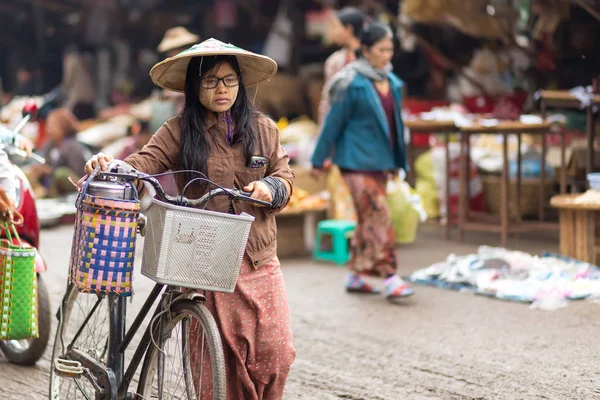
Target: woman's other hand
<point>317,172</point>
<point>259,191</point>
<point>99,158</point>
<point>393,174</point>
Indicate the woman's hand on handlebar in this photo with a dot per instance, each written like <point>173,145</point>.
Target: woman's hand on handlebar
<point>259,191</point>
<point>99,158</point>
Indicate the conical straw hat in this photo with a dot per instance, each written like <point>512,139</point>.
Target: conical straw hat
<point>176,38</point>
<point>170,74</point>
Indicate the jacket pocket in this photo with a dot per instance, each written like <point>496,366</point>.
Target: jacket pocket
<point>254,174</point>
<point>246,173</point>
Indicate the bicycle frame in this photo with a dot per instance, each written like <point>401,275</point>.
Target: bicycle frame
<point>112,381</point>
<point>114,378</point>
<point>123,342</point>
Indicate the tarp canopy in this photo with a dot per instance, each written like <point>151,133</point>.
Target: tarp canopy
<point>490,20</point>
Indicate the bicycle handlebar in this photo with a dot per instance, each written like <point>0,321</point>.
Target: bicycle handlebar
<point>10,148</point>
<point>235,194</point>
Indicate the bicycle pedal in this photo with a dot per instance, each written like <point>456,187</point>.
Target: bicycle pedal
<point>68,368</point>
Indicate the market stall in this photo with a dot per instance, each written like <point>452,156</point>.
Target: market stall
<point>499,158</point>
<point>503,129</point>
<point>579,215</point>
<point>575,99</point>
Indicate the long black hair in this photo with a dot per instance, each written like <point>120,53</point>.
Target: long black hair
<point>195,144</point>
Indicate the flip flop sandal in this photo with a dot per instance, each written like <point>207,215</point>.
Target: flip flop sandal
<point>401,291</point>
<point>355,284</point>
<point>396,288</point>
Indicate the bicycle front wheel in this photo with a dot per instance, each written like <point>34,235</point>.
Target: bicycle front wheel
<point>185,358</point>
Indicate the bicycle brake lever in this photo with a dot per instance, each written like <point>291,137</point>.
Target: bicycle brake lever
<point>248,195</point>
<point>124,175</point>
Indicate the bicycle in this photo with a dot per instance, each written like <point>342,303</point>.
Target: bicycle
<point>88,358</point>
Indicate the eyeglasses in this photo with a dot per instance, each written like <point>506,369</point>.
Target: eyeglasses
<point>212,82</point>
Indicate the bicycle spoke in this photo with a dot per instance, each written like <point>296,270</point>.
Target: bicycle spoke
<point>189,349</point>
<point>84,326</point>
<point>172,359</point>
<point>82,392</point>
<point>88,317</point>
<point>201,363</point>
<point>187,371</point>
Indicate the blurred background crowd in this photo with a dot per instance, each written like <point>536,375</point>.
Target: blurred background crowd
<point>91,59</point>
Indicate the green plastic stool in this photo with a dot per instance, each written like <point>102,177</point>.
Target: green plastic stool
<point>339,232</point>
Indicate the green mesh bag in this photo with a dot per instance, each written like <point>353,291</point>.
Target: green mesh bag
<point>18,285</point>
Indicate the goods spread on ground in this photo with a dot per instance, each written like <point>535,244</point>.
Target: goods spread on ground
<point>545,281</point>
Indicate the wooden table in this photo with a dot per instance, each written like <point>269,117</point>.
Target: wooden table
<point>505,128</point>
<point>445,128</point>
<point>578,224</point>
<point>564,99</point>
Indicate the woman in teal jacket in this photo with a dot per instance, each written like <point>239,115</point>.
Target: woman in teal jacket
<point>364,131</point>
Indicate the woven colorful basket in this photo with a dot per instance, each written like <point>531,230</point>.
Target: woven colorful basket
<point>103,250</point>
<point>18,286</point>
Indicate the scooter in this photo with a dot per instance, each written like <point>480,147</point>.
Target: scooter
<point>29,351</point>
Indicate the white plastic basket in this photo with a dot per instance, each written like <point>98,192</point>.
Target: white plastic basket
<point>194,248</point>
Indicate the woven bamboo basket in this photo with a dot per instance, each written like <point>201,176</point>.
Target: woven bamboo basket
<point>529,199</point>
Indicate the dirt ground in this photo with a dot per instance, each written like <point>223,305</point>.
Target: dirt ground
<point>439,344</point>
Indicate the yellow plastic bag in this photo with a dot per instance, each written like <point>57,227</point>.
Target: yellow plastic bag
<point>426,186</point>
<point>424,167</point>
<point>341,205</point>
<point>406,210</point>
<point>428,192</point>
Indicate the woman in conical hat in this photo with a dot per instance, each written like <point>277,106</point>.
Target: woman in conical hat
<point>176,40</point>
<point>219,133</point>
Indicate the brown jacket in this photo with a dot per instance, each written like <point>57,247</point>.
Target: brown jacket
<point>226,167</point>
